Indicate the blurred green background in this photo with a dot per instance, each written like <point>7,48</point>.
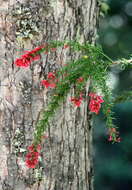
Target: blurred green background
<point>113,162</point>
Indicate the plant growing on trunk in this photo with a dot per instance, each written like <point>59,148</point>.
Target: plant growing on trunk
<point>92,65</point>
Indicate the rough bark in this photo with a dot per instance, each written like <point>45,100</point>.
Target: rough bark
<point>67,152</point>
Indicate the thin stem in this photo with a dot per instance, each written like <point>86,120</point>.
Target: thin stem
<point>105,56</point>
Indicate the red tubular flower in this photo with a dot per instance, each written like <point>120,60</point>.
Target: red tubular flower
<point>110,138</point>
<point>32,159</point>
<point>99,99</point>
<point>32,148</point>
<point>95,102</point>
<point>45,83</point>
<point>23,62</point>
<point>77,101</point>
<point>51,75</point>
<point>96,97</point>
<point>51,82</point>
<point>32,156</point>
<point>26,59</point>
<point>48,84</point>
<point>94,106</point>
<point>114,135</point>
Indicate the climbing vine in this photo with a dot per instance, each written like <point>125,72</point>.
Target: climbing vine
<point>92,65</point>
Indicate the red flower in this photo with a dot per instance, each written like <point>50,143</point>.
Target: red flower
<point>77,101</point>
<point>95,102</point>
<point>96,97</point>
<point>51,82</point>
<point>99,99</point>
<point>26,59</point>
<point>110,138</point>
<point>45,83</point>
<point>21,63</point>
<point>51,75</point>
<point>48,84</point>
<point>114,138</point>
<point>80,79</point>
<point>32,156</point>
<point>94,106</point>
<point>114,135</point>
<point>32,159</point>
<point>32,148</point>
<point>52,85</point>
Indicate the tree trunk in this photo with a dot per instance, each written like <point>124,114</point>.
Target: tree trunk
<point>67,152</point>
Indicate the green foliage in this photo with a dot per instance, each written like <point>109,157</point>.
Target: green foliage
<point>125,96</point>
<point>92,65</point>
<point>104,7</point>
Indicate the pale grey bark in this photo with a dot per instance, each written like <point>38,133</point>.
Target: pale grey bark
<point>67,152</point>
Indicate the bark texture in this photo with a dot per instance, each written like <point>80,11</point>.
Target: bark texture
<point>67,152</point>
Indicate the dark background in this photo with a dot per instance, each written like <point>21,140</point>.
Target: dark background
<point>113,162</point>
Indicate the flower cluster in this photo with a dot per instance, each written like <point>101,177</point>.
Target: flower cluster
<point>71,76</point>
<point>95,102</point>
<point>50,82</point>
<point>77,101</point>
<point>26,59</point>
<point>32,156</point>
<point>114,135</point>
